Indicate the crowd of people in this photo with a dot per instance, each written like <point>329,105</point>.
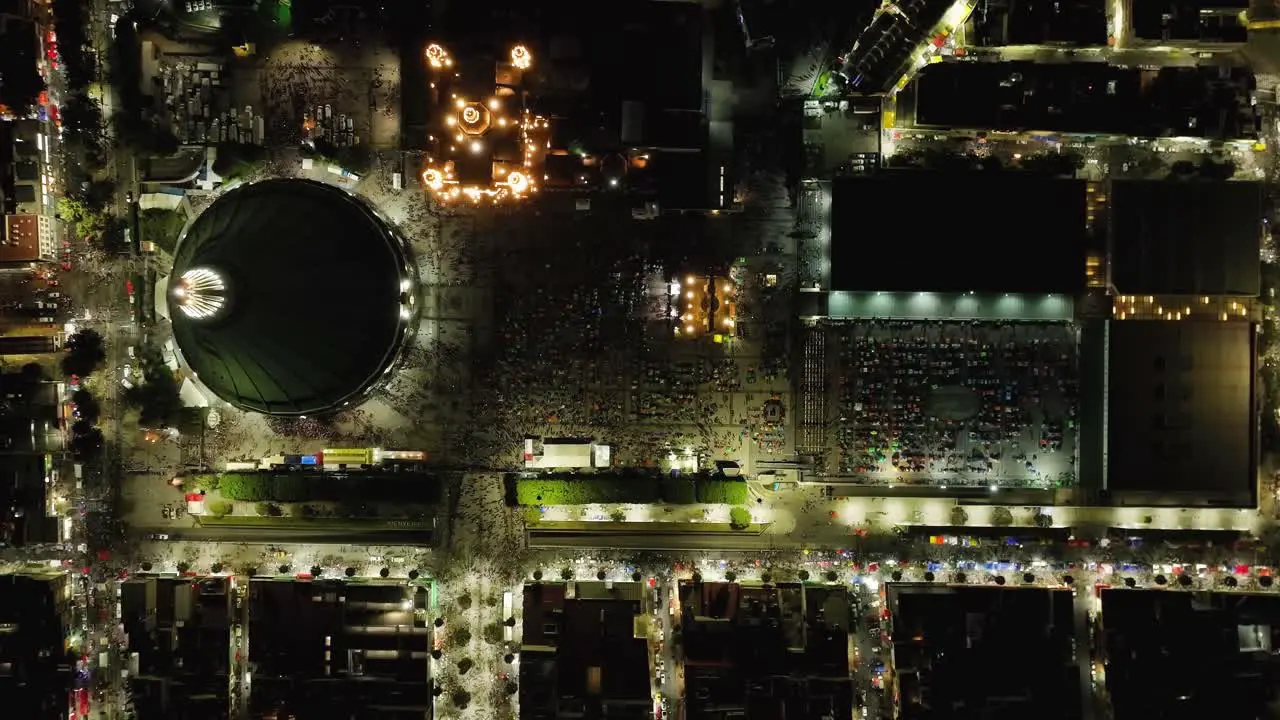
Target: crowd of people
<point>957,402</point>
<point>301,78</point>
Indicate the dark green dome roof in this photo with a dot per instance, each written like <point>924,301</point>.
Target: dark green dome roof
<point>292,303</point>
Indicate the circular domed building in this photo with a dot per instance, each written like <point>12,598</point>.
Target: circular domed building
<point>289,297</point>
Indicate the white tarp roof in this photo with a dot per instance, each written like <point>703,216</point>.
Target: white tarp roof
<point>170,354</point>
<point>191,395</point>
<point>161,297</point>
<point>566,455</point>
<point>161,201</point>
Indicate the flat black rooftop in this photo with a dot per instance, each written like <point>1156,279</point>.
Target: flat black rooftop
<point>1181,420</point>
<point>1197,237</point>
<point>1086,98</point>
<point>1184,655</point>
<point>984,651</point>
<point>32,650</point>
<point>925,231</point>
<point>313,280</point>
<point>333,649</point>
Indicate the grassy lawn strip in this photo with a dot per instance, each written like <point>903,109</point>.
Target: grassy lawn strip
<point>643,528</point>
<point>314,523</point>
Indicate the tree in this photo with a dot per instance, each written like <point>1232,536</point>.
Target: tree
<point>267,509</point>
<point>87,407</point>
<point>1212,169</point>
<point>217,568</point>
<point>464,665</point>
<point>1182,169</point>
<point>161,227</point>
<point>205,481</point>
<point>85,442</point>
<point>236,160</point>
<point>617,515</point>
<point>566,574</point>
<point>460,637</point>
<point>184,567</point>
<point>219,508</point>
<point>1043,520</point>
<point>1001,517</point>
<point>739,518</point>
<point>157,396</point>
<point>460,699</point>
<point>959,516</point>
<point>86,352</point>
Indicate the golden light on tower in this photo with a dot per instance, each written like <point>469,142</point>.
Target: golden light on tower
<point>433,179</point>
<point>472,161</point>
<point>521,58</point>
<point>437,57</point>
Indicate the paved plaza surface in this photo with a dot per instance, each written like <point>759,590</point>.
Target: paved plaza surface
<point>296,77</point>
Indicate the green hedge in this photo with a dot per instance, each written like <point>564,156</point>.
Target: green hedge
<point>308,487</point>
<point>722,492</point>
<point>639,488</point>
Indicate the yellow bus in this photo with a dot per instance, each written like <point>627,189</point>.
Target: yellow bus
<point>347,456</point>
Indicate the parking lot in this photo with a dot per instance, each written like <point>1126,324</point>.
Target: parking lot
<point>956,403</point>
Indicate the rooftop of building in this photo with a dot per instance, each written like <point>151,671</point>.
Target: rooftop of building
<point>34,619</point>
<point>331,648</point>
<point>1178,654</point>
<point>1195,237</point>
<point>1181,414</point>
<point>24,498</point>
<point>1086,98</point>
<point>21,241</point>
<point>585,650</point>
<point>745,645</point>
<point>982,650</point>
<point>180,629</point>
<point>953,232</point>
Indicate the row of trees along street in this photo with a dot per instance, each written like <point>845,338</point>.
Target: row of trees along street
<point>83,140</point>
<point>85,354</point>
